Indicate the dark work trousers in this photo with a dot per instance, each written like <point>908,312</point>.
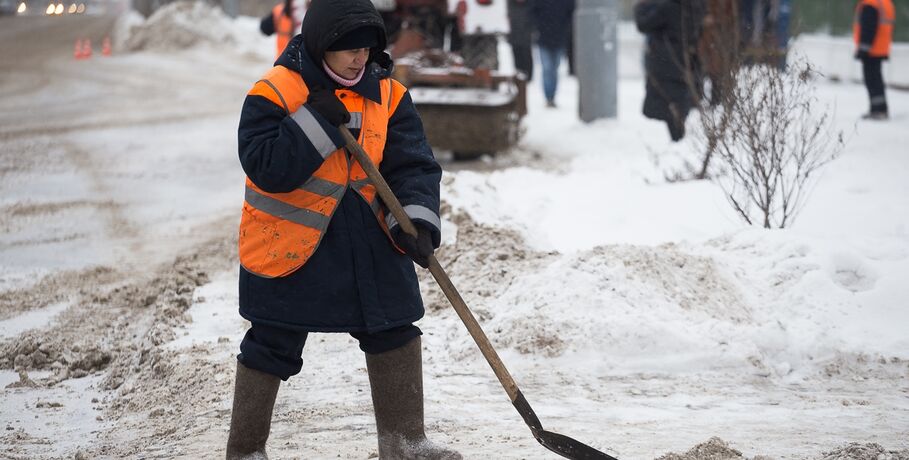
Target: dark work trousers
<point>523,58</point>
<point>874,82</point>
<point>278,351</point>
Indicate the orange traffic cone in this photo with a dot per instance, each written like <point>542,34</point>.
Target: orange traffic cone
<point>87,49</point>
<point>77,50</point>
<point>105,46</point>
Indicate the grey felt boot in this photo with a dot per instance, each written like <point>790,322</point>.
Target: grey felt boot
<point>250,421</point>
<point>396,379</point>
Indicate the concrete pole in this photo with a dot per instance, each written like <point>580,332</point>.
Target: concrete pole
<point>596,50</point>
<point>231,7</point>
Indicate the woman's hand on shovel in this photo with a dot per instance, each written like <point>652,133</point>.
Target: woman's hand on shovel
<point>420,248</point>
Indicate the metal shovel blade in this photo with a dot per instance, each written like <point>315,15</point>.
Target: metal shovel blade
<point>558,443</point>
<point>569,448</point>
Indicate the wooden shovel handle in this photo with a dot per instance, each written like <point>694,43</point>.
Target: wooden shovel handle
<point>391,201</point>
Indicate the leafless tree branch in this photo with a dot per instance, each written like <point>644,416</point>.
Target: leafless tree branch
<point>770,140</point>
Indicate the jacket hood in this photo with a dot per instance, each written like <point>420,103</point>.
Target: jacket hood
<point>329,20</point>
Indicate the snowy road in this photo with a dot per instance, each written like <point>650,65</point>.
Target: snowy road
<point>109,168</point>
<point>95,147</point>
<point>652,323</point>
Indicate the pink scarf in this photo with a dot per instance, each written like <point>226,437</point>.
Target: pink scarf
<point>341,80</point>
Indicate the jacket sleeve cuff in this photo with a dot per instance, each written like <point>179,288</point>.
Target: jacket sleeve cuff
<point>324,137</point>
<point>420,215</point>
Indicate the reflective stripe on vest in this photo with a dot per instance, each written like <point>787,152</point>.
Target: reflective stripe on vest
<point>883,37</point>
<point>356,120</point>
<point>286,211</point>
<point>279,232</point>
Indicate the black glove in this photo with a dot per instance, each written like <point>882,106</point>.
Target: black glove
<point>420,248</point>
<point>328,105</point>
<point>861,54</point>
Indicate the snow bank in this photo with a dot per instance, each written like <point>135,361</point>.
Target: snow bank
<point>181,25</point>
<point>630,307</point>
<point>123,29</point>
<point>596,259</point>
<point>756,302</point>
<point>713,449</point>
<point>867,451</point>
<point>189,24</point>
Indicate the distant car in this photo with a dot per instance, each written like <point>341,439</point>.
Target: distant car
<point>8,7</point>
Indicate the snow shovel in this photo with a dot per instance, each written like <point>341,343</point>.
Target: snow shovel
<point>560,444</point>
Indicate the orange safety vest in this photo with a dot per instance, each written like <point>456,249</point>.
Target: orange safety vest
<point>284,27</point>
<point>280,231</point>
<point>884,36</point>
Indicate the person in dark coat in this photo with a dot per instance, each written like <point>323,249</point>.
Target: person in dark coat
<point>673,28</point>
<point>520,36</point>
<point>348,266</point>
<point>552,19</point>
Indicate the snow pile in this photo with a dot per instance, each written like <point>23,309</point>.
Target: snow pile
<point>182,25</point>
<point>250,41</point>
<point>123,29</point>
<point>606,263</point>
<point>748,303</point>
<point>190,24</point>
<point>628,303</point>
<point>869,451</point>
<point>713,449</point>
<point>75,352</point>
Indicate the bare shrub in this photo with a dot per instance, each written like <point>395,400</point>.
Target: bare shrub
<point>770,137</point>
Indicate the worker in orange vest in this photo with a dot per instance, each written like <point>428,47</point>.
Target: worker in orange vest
<point>284,20</point>
<point>872,31</point>
<point>318,250</point>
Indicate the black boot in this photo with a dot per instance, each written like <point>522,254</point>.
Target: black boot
<point>250,421</point>
<point>879,115</point>
<point>676,130</point>
<point>396,379</point>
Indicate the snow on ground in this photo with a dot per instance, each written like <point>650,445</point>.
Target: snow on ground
<point>833,56</point>
<point>848,248</point>
<point>636,315</point>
